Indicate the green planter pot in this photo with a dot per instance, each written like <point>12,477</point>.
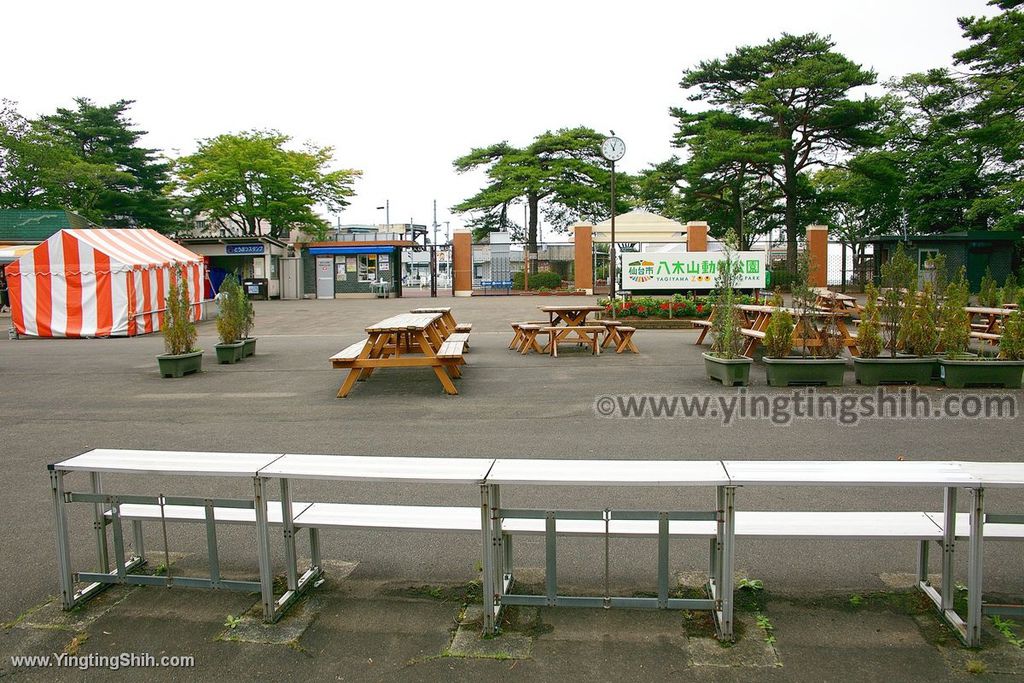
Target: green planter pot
<point>230,353</point>
<point>783,372</point>
<point>874,371</point>
<point>249,347</point>
<point>993,373</point>
<point>728,371</point>
<point>180,365</point>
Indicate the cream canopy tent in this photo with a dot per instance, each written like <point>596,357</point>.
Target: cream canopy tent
<point>641,226</point>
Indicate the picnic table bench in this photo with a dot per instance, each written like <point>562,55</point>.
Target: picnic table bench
<point>405,340</point>
<point>447,319</point>
<point>495,525</point>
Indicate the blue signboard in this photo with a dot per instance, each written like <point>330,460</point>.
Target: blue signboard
<point>244,249</point>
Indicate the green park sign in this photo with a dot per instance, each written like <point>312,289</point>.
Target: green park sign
<point>653,270</point>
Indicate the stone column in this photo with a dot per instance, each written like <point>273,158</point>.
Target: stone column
<point>462,263</point>
<point>817,255</point>
<point>696,236</point>
<point>584,256</point>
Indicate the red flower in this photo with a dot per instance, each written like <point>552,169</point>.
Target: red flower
<point>700,308</point>
<point>664,306</point>
<point>641,309</point>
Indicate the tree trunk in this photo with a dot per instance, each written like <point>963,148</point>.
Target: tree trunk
<point>531,234</point>
<point>791,228</point>
<point>737,213</point>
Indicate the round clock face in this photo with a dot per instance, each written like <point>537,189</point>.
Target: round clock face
<point>613,149</point>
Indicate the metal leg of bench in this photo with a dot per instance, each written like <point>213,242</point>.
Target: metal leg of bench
<point>99,524</point>
<point>923,548</point>
<point>314,548</point>
<point>948,547</point>
<point>140,547</point>
<point>211,545</point>
<point>118,534</point>
<point>662,560</point>
<point>726,574</point>
<point>487,573</point>
<point>550,560</point>
<point>497,543</point>
<point>288,532</point>
<point>509,577</point>
<point>713,562</point>
<point>263,546</point>
<point>66,579</point>
<point>975,559</point>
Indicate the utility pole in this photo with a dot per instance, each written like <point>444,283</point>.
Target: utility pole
<point>435,222</point>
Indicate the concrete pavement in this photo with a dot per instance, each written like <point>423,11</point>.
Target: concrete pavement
<point>61,397</point>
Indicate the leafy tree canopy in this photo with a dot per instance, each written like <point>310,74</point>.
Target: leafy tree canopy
<point>247,179</point>
<point>783,108</point>
<point>560,172</point>
<point>87,159</point>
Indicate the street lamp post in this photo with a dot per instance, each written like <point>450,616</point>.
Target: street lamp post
<point>387,211</point>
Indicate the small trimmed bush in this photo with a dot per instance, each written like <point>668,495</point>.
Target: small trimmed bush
<point>955,321</point>
<point>1011,346</point>
<point>179,330</point>
<point>230,316</point>
<point>869,332</point>
<point>541,280</point>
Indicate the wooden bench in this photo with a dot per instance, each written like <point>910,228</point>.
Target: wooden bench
<point>517,334</point>
<point>990,337</point>
<point>626,340</point>
<point>611,334</point>
<point>348,354</point>
<point>558,334</point>
<point>528,337</point>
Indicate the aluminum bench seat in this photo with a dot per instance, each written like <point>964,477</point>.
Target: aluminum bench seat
<point>994,531</point>
<point>195,513</point>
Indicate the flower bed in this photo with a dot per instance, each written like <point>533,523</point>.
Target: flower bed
<point>670,308</point>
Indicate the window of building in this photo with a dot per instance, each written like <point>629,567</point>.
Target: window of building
<point>367,267</point>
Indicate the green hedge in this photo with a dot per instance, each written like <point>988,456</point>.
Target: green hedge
<point>544,279</point>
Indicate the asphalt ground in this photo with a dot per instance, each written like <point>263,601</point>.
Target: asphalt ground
<point>59,398</point>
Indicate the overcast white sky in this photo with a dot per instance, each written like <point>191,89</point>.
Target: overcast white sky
<point>400,89</point>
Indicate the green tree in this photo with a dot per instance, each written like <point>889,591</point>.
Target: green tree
<point>862,200</point>
<point>928,132</point>
<point>246,179</point>
<point>41,170</point>
<point>724,177</point>
<point>796,90</point>
<point>561,173</point>
<point>114,180</point>
<point>996,63</point>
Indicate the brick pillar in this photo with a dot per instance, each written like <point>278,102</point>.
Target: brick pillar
<point>697,236</point>
<point>584,256</point>
<point>817,255</point>
<point>462,262</point>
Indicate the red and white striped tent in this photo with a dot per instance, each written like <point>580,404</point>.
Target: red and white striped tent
<point>99,283</point>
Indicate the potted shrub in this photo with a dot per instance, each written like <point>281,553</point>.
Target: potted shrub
<point>182,357</point>
<point>248,316</point>
<point>230,322</point>
<point>961,369</point>
<point>988,291</point>
<point>898,304</point>
<point>783,369</point>
<point>724,361</point>
<point>869,339</point>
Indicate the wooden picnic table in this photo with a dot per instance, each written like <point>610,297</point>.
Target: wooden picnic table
<point>755,318</point>
<point>569,317</point>
<point>401,341</point>
<point>827,299</point>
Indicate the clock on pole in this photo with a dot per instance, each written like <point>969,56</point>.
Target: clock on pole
<point>613,149</point>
